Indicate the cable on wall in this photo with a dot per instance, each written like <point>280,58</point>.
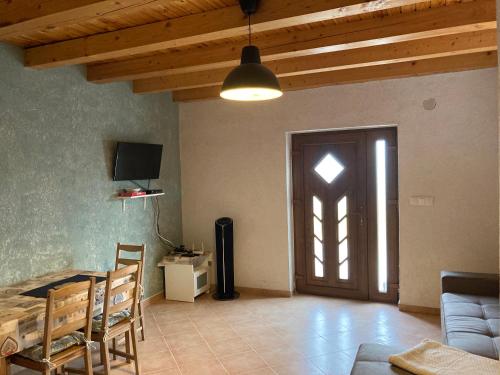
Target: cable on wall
<point>156,210</point>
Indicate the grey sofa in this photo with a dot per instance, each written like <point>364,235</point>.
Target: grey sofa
<point>470,320</point>
<point>470,312</point>
<point>373,359</point>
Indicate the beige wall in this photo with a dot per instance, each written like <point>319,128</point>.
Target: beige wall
<point>498,107</point>
<point>234,163</point>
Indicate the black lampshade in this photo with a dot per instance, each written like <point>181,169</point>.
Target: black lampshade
<point>251,81</point>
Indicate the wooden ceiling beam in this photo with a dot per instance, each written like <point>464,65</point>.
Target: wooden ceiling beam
<point>443,46</point>
<point>199,28</point>
<point>21,17</point>
<point>460,18</point>
<point>365,74</point>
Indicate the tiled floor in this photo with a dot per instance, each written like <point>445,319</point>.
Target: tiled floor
<point>257,335</point>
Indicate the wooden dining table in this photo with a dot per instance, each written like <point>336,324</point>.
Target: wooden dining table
<point>22,317</point>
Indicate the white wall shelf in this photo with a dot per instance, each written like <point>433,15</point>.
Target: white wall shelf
<point>145,197</point>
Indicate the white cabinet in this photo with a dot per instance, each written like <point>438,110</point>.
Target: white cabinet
<point>184,281</point>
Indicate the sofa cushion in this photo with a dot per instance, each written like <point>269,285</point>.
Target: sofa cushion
<point>461,309</point>
<point>474,343</point>
<point>494,327</point>
<point>491,312</point>
<point>472,323</point>
<point>469,298</point>
<point>460,324</point>
<point>374,359</point>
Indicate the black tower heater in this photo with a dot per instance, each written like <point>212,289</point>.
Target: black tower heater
<point>225,260</point>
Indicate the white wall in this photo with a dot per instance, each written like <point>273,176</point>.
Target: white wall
<point>233,159</point>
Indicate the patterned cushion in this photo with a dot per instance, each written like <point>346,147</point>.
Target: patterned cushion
<point>35,352</point>
<point>112,320</point>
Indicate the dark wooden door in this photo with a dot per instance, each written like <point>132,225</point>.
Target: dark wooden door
<point>337,195</point>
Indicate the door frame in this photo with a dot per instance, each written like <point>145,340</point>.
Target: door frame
<point>297,270</point>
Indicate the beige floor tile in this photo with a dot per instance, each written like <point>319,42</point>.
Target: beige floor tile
<point>170,316</point>
<point>293,334</point>
<point>351,353</point>
<point>171,371</point>
<point>123,370</point>
<point>229,347</point>
<point>152,344</point>
<point>315,346</point>
<point>183,340</point>
<point>298,367</point>
<point>151,329</point>
<point>203,367</point>
<point>156,361</point>
<point>348,340</point>
<point>193,353</point>
<point>208,319</point>
<point>260,371</point>
<point>243,362</point>
<point>270,340</point>
<point>218,334</point>
<point>180,326</point>
<point>280,356</point>
<point>253,330</point>
<point>333,364</point>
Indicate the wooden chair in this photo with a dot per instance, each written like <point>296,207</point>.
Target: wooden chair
<point>137,253</point>
<point>68,310</point>
<point>119,318</point>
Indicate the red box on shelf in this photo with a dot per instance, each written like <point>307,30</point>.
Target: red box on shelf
<point>130,194</point>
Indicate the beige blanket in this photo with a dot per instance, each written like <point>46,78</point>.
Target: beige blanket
<point>433,358</point>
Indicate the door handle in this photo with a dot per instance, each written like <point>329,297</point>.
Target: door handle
<point>361,217</point>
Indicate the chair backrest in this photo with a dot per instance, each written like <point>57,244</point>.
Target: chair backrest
<point>69,309</point>
<point>123,287</point>
<point>136,252</point>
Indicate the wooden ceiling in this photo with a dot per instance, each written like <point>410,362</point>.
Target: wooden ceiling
<point>188,46</point>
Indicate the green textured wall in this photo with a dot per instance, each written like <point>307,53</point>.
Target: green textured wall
<point>57,137</point>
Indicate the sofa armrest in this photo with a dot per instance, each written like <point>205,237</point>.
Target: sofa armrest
<point>480,284</point>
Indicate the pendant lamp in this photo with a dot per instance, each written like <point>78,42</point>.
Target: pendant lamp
<point>250,81</point>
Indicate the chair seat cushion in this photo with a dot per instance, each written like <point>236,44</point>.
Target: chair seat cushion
<point>35,353</point>
<point>112,320</point>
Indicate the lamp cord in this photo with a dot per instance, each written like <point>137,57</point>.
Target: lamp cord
<point>249,30</point>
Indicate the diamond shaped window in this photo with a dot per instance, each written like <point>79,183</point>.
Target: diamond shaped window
<point>329,168</point>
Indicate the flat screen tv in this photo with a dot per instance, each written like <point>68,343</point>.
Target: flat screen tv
<point>137,161</point>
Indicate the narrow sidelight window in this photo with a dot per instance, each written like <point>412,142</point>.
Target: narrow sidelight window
<point>381,175</point>
<point>342,234</point>
<point>318,237</point>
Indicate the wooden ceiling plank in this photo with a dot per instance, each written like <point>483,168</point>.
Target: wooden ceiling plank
<point>366,74</point>
<point>198,28</point>
<point>22,17</point>
<point>466,17</point>
<point>450,45</point>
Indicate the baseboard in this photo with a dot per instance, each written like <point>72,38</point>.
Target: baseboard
<point>260,292</point>
<point>158,297</point>
<point>419,309</point>
<point>265,292</point>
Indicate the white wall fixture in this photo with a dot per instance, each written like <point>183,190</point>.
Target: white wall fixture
<point>422,201</point>
<point>429,104</point>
